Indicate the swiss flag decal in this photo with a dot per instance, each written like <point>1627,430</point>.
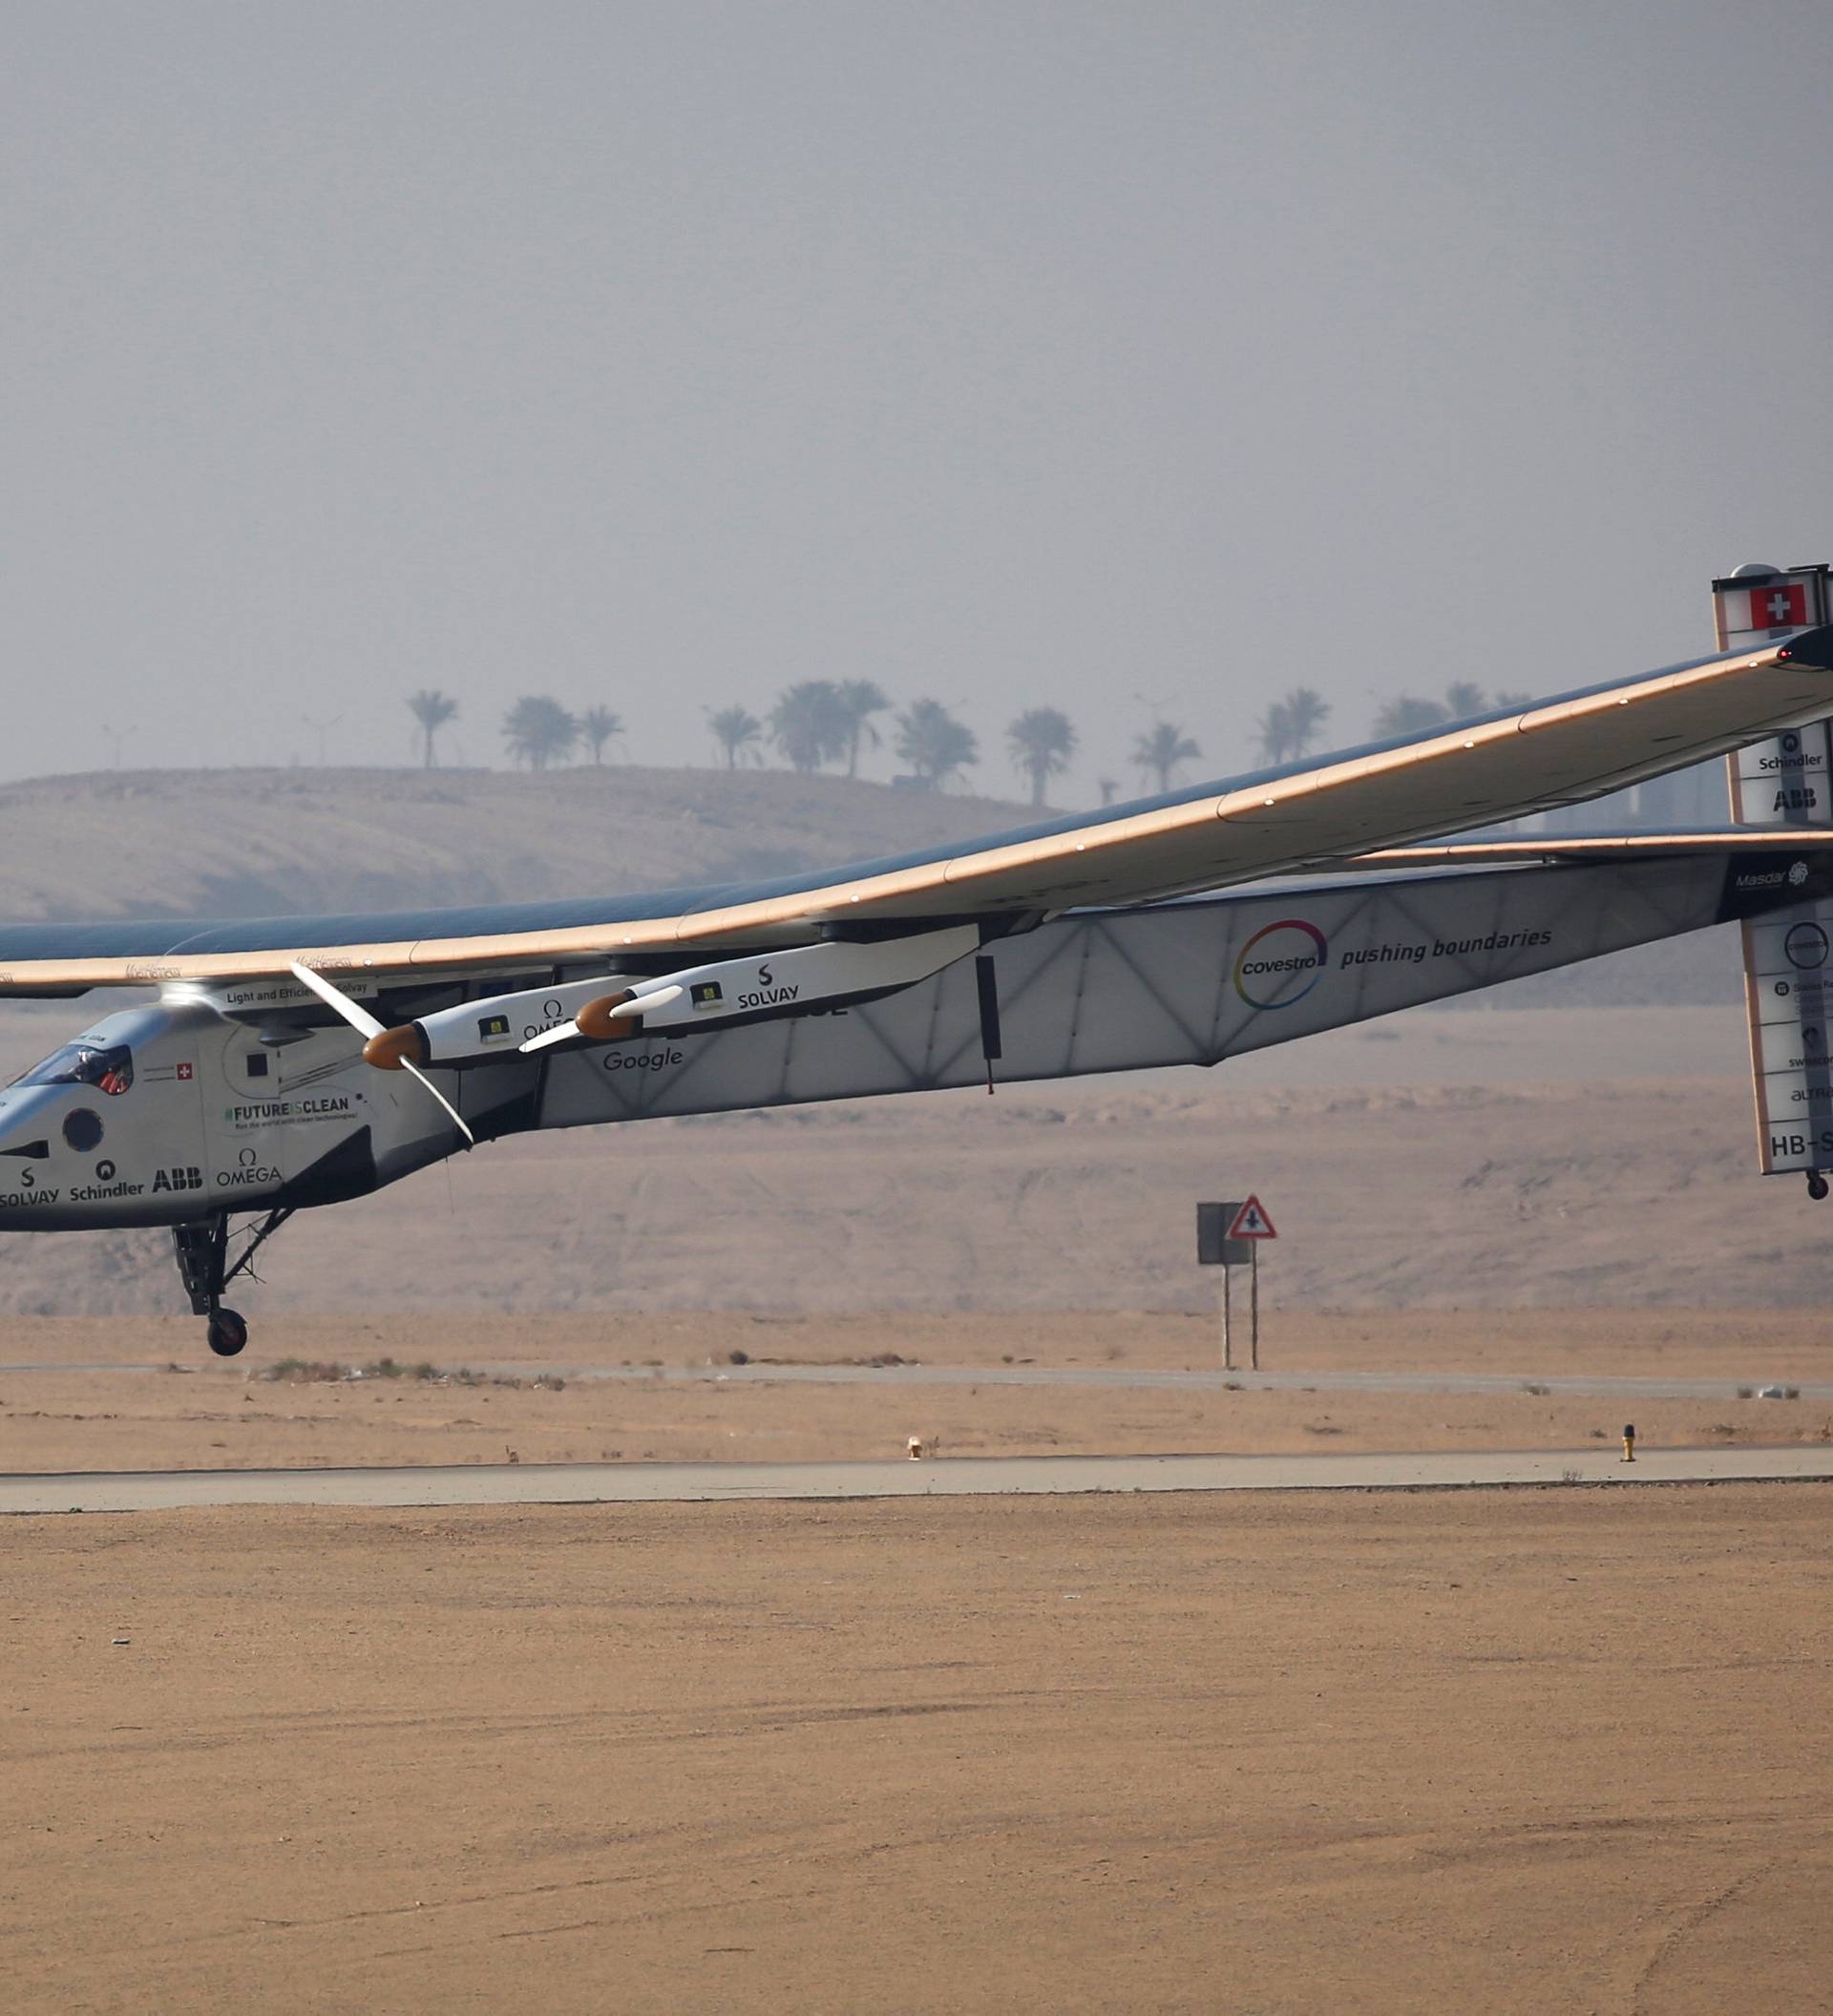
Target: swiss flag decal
<point>184,1070</point>
<point>1781,606</point>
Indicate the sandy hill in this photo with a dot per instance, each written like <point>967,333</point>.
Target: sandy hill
<point>254,843</point>
<point>268,843</point>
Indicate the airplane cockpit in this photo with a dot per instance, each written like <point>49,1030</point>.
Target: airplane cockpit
<point>109,1069</point>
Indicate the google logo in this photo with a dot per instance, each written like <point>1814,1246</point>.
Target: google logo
<point>1264,973</point>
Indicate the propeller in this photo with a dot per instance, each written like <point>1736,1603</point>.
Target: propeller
<point>598,1020</point>
<point>368,1028</point>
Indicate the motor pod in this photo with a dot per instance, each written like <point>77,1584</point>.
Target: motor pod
<point>395,1047</point>
<point>609,1018</point>
<point>497,1025</point>
<point>802,980</point>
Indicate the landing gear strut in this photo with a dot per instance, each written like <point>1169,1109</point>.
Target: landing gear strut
<point>1817,1185</point>
<point>202,1254</point>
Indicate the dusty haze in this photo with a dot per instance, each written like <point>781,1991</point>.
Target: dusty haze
<point>1133,361</point>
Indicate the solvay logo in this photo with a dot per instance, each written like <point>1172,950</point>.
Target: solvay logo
<point>1281,964</point>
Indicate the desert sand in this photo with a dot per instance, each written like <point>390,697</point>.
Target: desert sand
<point>169,1405</point>
<point>1555,1748</point>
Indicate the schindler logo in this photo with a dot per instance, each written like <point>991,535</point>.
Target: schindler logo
<point>706,995</point>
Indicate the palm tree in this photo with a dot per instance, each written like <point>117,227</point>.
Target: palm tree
<point>934,743</point>
<point>1291,725</point>
<point>539,730</point>
<point>1158,753</point>
<point>738,731</point>
<point>1306,712</point>
<point>808,725</point>
<point>600,725</point>
<point>1410,715</point>
<point>432,709</point>
<point>1275,732</point>
<point>859,700</point>
<point>1407,715</point>
<point>1041,742</point>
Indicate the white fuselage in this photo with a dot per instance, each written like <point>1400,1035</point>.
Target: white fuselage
<point>162,1115</point>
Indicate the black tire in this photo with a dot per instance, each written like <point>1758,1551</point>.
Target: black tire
<point>227,1332</point>
<point>1817,1187</point>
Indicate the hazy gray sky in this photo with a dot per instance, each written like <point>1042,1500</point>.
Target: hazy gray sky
<point>1126,357</point>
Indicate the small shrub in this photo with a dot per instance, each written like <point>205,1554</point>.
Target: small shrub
<point>1746,1392</point>
<point>1534,1387</point>
<point>738,1358</point>
<point>305,1372</point>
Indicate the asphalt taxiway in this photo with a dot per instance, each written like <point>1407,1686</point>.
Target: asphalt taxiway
<point>627,1483</point>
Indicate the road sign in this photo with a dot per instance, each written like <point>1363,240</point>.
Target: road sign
<point>1251,1221</point>
<point>1213,1246</point>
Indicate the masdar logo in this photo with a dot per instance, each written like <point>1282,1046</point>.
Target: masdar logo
<point>1281,964</point>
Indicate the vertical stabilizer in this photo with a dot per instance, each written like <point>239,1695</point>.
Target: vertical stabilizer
<point>1783,783</point>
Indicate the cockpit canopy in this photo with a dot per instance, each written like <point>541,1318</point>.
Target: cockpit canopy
<point>109,1068</point>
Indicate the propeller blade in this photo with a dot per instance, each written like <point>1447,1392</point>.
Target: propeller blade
<point>613,1008</point>
<point>561,1033</point>
<point>359,1019</point>
<point>368,1027</point>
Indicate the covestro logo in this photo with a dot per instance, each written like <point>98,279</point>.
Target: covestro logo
<point>1281,964</point>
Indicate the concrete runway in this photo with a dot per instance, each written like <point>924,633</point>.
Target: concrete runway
<point>615,1484</point>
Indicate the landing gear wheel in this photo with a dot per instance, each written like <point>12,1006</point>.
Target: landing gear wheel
<point>202,1249</point>
<point>227,1332</point>
<point>1817,1186</point>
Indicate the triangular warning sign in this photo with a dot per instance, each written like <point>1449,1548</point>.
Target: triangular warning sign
<point>1251,1221</point>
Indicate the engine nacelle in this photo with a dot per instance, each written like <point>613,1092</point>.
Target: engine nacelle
<point>714,996</point>
<point>804,982</point>
<point>497,1027</point>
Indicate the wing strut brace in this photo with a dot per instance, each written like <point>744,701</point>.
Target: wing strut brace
<point>987,985</point>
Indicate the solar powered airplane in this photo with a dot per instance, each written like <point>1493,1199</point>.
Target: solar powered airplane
<point>300,1062</point>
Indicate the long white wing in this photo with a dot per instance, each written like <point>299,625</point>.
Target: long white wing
<point>1569,747</point>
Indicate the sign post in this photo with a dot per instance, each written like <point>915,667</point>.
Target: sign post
<point>1228,1236</point>
<point>1254,1309</point>
<point>1251,1225</point>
